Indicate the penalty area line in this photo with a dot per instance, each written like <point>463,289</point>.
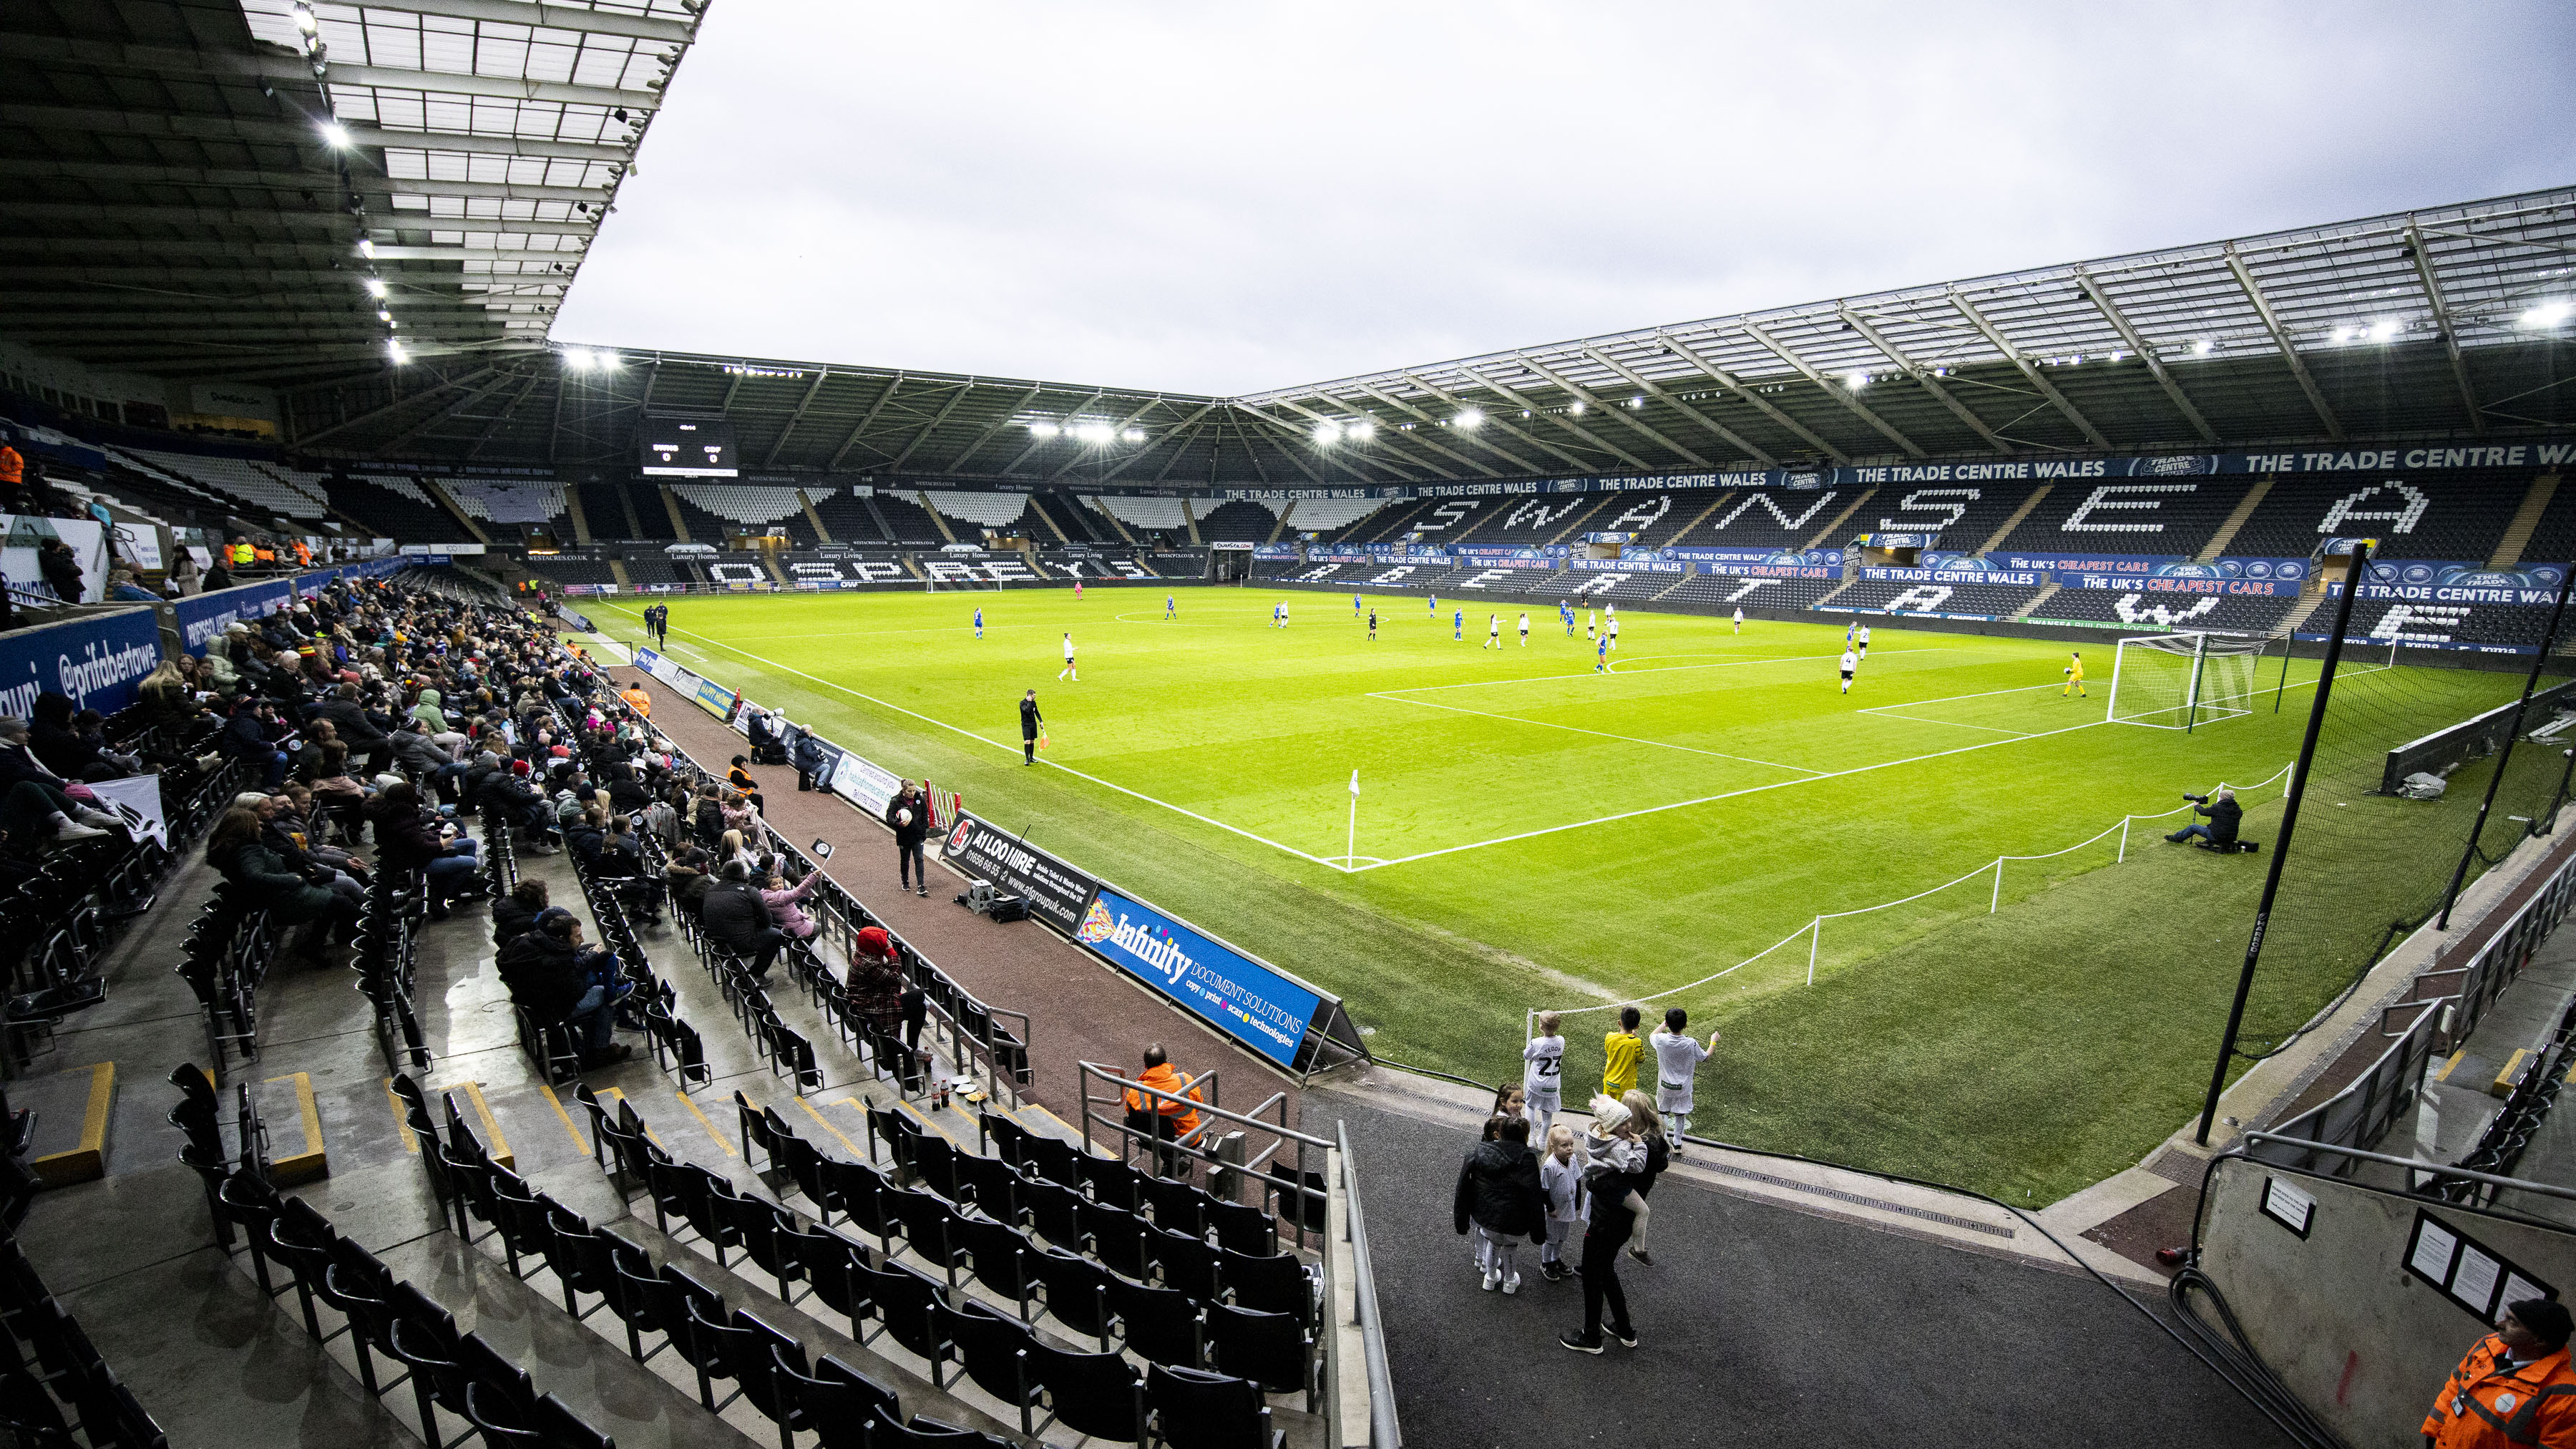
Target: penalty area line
<point>1394,698</point>
<point>1007,748</point>
<point>1727,795</point>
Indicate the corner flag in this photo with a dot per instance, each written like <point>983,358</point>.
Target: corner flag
<point>1355,782</point>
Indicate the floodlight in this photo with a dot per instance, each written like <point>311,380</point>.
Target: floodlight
<point>1577,409</point>
<point>2547,314</point>
<point>1638,401</point>
<point>1362,429</point>
<point>1856,380</point>
<point>367,248</point>
<point>336,134</point>
<point>304,20</point>
<point>2383,329</point>
<point>1326,435</point>
<point>2201,348</point>
<point>1469,419</point>
<point>2344,334</point>
<point>2078,359</point>
<point>375,286</point>
<point>395,351</point>
<point>2116,354</point>
<point>384,316</point>
<point>1132,435</point>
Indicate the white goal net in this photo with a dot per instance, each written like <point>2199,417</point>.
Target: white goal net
<point>2183,681</point>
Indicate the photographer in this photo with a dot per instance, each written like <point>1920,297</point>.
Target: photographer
<point>2224,815</point>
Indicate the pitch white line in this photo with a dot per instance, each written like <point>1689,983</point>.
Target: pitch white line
<point>1727,795</point>
<point>1600,734</point>
<point>1007,747</point>
<point>1888,713</point>
<point>1669,669</point>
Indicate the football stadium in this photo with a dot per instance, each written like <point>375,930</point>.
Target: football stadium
<point>2020,772</point>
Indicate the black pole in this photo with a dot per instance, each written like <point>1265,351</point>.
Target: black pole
<point>2281,847</point>
<point>2283,686</point>
<point>2531,681</point>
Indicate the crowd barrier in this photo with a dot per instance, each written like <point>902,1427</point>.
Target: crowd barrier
<point>1290,1022</point>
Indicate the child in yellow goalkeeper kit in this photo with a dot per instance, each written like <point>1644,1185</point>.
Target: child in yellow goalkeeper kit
<point>2074,675</point>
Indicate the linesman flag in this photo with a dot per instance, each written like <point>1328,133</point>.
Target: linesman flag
<point>1355,783</point>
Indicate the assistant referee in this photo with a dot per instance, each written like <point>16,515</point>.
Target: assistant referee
<point>1030,720</point>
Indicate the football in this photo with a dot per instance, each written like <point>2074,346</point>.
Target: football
<point>903,817</point>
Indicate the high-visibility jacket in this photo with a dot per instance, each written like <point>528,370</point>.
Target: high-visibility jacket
<point>264,554</point>
<point>2484,1405</point>
<point>242,555</point>
<point>13,469</point>
<point>303,552</point>
<point>1165,1078</point>
<point>634,695</point>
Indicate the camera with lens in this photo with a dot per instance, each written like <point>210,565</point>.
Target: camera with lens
<point>2195,799</point>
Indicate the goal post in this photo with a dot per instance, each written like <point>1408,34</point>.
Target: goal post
<point>2183,681</point>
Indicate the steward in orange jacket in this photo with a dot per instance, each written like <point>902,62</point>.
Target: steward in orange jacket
<point>637,699</point>
<point>1160,1076</point>
<point>2514,1388</point>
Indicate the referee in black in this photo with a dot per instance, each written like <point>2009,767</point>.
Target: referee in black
<point>1030,720</point>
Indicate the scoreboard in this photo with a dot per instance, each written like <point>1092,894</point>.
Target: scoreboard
<point>687,448</point>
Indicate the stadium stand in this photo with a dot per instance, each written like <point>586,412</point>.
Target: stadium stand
<point>1976,601</point>
<point>845,515</point>
<point>603,506</point>
<point>1963,515</point>
<point>1327,516</point>
<point>2455,515</point>
<point>1732,590</point>
<point>1605,585</point>
<point>395,507</point>
<point>1072,518</point>
<point>979,512</point>
<point>2146,612</point>
<point>2173,517</point>
<point>236,478</point>
<point>653,568</point>
<point>1769,518</point>
<point>746,507</point>
<point>575,570</point>
<point>900,520</point>
<point>1234,520</point>
<point>1155,520</point>
<point>2500,626</point>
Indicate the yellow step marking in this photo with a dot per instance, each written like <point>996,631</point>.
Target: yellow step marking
<point>835,1131</point>
<point>2502,1086</point>
<point>926,1120</point>
<point>2448,1067</point>
<point>703,1122</point>
<point>580,1143</point>
<point>87,1161</point>
<point>619,1094</point>
<point>313,1161</point>
<point>402,1120</point>
<point>494,1144</point>
<point>1061,1129</point>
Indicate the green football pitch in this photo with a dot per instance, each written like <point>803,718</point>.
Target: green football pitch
<point>1530,832</point>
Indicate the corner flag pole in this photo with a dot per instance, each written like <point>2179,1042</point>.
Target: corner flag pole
<point>2289,822</point>
<point>1351,839</point>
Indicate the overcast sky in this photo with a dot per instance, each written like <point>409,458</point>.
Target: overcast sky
<point>1223,198</point>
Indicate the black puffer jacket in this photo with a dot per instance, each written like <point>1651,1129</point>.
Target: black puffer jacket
<point>733,914</point>
<point>1498,1190</point>
<point>2224,818</point>
<point>543,976</point>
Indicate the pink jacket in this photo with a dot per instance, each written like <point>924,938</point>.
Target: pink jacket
<point>789,916</point>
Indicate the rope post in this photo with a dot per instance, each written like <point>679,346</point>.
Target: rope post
<point>2281,848</point>
<point>1813,941</point>
<point>1996,903</point>
<point>2124,840</point>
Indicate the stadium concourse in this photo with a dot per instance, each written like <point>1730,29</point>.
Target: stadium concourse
<point>1761,1304</point>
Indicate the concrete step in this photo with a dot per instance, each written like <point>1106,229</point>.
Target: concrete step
<point>73,1110</point>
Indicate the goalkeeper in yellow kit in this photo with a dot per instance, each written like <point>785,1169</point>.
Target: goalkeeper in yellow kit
<point>2074,675</point>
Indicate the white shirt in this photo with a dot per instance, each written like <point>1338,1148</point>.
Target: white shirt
<point>1851,661</point>
<point>1493,623</point>
<point>1614,628</point>
<point>1676,1058</point>
<point>1068,650</point>
<point>1739,616</point>
<point>1524,623</point>
<point>1614,610</point>
<point>1864,633</point>
<point>1543,1067</point>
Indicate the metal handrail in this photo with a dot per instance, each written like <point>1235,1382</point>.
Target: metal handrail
<point>2433,1169</point>
<point>1384,1431</point>
<point>1307,1196</point>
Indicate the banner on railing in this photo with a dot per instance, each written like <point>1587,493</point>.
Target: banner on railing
<point>203,616</point>
<point>1242,997</point>
<point>715,699</point>
<point>1057,893</point>
<point>97,661</point>
<point>660,667</point>
<point>863,783</point>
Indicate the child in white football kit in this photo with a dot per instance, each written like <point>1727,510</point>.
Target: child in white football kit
<point>1524,631</point>
<point>1493,632</point>
<point>1677,1058</point>
<point>1067,671</point>
<point>1851,662</point>
<point>1543,1074</point>
<point>1560,1177</point>
<point>1739,618</point>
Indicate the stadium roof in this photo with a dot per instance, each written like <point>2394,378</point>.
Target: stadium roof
<point>203,189</point>
<point>2452,322</point>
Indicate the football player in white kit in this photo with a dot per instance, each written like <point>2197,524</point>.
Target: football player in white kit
<point>1677,1057</point>
<point>1614,631</point>
<point>1067,671</point>
<point>1739,618</point>
<point>1864,641</point>
<point>1524,628</point>
<point>1543,1074</point>
<point>1851,662</point>
<point>1493,632</point>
